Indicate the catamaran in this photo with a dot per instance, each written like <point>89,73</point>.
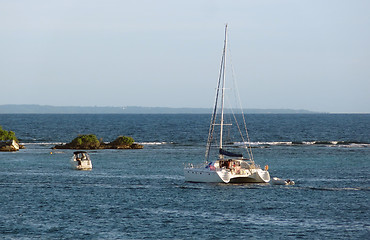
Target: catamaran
<point>228,167</point>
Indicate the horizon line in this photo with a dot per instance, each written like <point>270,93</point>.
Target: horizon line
<point>6,108</point>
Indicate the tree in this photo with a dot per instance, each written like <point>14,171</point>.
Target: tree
<point>86,142</point>
<point>7,135</point>
<point>123,140</point>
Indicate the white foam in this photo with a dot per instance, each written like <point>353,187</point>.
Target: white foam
<point>42,143</point>
<point>154,143</point>
<point>354,145</point>
<point>261,143</point>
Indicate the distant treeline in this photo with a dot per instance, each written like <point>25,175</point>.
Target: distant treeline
<point>45,109</point>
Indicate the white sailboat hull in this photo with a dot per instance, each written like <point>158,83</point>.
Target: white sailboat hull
<point>201,175</point>
<point>260,176</point>
<point>205,175</point>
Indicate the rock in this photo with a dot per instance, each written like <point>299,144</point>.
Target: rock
<point>136,146</point>
<point>8,141</point>
<point>9,146</point>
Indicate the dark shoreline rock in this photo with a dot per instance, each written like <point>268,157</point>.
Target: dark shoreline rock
<point>90,142</point>
<point>10,146</point>
<point>132,146</point>
<point>8,141</point>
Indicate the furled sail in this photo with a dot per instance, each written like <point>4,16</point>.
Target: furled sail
<point>230,154</point>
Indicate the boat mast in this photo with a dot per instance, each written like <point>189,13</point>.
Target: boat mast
<point>221,81</point>
<point>223,91</point>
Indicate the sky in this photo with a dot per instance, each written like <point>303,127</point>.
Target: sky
<point>312,55</point>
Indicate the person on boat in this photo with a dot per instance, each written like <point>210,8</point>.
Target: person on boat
<point>78,160</point>
<point>237,167</point>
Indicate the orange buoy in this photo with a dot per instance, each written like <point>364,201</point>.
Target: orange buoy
<point>266,167</point>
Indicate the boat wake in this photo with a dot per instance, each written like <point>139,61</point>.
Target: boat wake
<point>340,188</point>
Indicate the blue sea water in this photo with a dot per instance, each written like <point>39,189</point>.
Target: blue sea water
<point>141,194</point>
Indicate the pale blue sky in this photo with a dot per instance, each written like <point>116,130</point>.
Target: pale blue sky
<point>312,55</point>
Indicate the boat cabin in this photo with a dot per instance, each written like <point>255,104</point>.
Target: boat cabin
<point>232,163</point>
<point>81,161</point>
<point>80,156</point>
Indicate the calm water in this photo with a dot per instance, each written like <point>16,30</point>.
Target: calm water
<point>136,194</point>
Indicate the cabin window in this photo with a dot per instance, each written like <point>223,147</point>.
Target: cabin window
<point>244,165</point>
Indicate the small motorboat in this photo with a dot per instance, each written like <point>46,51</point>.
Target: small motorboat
<point>81,161</point>
<point>279,181</point>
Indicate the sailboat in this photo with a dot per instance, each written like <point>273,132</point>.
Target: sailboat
<point>228,166</point>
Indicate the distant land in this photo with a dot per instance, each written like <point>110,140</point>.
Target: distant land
<point>45,109</point>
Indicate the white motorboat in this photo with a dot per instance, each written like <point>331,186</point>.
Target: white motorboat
<point>279,181</point>
<point>228,167</point>
<point>81,161</point>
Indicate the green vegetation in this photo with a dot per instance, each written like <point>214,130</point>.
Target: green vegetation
<point>91,142</point>
<point>123,140</point>
<point>86,142</point>
<point>7,135</point>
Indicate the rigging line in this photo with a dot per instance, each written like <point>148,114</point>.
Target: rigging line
<point>243,139</point>
<point>238,104</point>
<point>213,118</point>
<point>236,91</point>
<point>240,132</point>
<point>223,89</point>
<point>236,121</point>
<point>228,123</point>
<point>214,115</point>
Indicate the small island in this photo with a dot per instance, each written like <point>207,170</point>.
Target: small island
<point>8,141</point>
<point>91,142</point>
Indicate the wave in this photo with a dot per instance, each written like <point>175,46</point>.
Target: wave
<point>339,188</point>
<point>154,143</point>
<point>303,143</point>
<point>262,144</point>
<point>55,143</point>
<point>42,143</point>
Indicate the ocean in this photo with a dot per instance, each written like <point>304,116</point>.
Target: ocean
<point>141,194</point>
